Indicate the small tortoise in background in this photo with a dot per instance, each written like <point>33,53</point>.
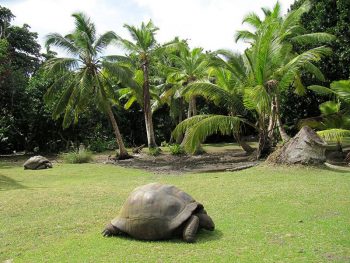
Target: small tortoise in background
<point>37,162</point>
<point>156,211</point>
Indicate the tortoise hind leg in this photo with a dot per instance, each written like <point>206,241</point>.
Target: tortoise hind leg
<point>111,230</point>
<point>190,230</point>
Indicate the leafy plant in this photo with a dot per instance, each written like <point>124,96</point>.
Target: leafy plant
<point>100,145</point>
<point>176,149</point>
<point>154,151</point>
<point>81,156</point>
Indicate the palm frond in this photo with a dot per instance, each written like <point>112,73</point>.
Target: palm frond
<point>56,66</point>
<point>257,98</point>
<point>334,135</point>
<point>321,90</point>
<point>293,18</point>
<point>57,40</point>
<point>311,68</point>
<point>329,107</point>
<point>63,103</point>
<point>84,27</point>
<point>252,19</point>
<point>244,35</point>
<point>292,67</point>
<point>181,128</point>
<point>342,89</point>
<point>104,41</point>
<point>313,38</point>
<point>225,125</point>
<point>215,94</point>
<point>121,72</point>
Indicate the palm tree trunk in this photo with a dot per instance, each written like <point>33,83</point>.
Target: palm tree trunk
<point>264,145</point>
<point>179,139</point>
<point>243,144</point>
<point>285,137</point>
<point>194,106</point>
<point>272,120</point>
<point>147,108</point>
<point>190,107</point>
<point>123,153</point>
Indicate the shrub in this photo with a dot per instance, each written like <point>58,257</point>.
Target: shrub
<point>100,145</point>
<point>176,149</point>
<point>82,156</point>
<point>154,151</point>
<point>164,144</point>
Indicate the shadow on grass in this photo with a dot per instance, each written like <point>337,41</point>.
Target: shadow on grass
<point>203,236</point>
<point>7,183</point>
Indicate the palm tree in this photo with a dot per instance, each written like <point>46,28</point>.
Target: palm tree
<point>269,66</point>
<point>145,47</point>
<point>85,76</point>
<point>275,37</point>
<point>191,65</point>
<point>223,93</point>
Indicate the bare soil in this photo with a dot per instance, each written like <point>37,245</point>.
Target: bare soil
<point>169,164</point>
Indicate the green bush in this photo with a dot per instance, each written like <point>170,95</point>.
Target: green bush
<point>100,145</point>
<point>164,144</point>
<point>154,151</point>
<point>176,149</point>
<point>82,156</point>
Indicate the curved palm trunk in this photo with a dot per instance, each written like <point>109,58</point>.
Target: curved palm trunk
<point>243,144</point>
<point>285,137</point>
<point>147,108</point>
<point>272,120</point>
<point>123,153</point>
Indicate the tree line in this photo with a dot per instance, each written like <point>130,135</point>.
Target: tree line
<point>161,92</point>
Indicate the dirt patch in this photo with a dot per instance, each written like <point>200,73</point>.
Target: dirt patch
<point>170,164</point>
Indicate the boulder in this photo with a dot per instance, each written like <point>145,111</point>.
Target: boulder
<point>37,162</point>
<point>305,148</point>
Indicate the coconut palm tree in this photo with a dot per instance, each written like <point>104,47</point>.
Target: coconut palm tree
<point>268,67</point>
<point>283,33</point>
<point>144,46</point>
<point>191,65</point>
<point>85,77</point>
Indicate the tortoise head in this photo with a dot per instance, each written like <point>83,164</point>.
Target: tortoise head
<point>111,230</point>
<point>205,221</point>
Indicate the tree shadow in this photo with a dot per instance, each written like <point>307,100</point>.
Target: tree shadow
<point>7,183</point>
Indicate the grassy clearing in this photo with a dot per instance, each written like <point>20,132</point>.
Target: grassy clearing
<point>263,214</point>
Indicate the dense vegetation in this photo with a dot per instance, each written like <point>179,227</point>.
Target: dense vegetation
<point>170,92</point>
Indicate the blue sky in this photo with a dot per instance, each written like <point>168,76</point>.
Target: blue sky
<point>210,24</point>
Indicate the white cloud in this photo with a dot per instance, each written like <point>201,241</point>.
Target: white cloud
<point>207,23</point>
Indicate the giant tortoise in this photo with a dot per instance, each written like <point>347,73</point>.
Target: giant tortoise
<point>37,162</point>
<point>156,211</point>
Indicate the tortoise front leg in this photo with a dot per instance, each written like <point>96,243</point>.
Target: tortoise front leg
<point>190,230</point>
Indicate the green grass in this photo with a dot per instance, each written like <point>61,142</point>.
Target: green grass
<point>263,214</point>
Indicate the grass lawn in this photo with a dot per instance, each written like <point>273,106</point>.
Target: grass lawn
<point>263,214</point>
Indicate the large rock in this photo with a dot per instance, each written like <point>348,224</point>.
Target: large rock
<point>305,148</point>
<point>37,162</point>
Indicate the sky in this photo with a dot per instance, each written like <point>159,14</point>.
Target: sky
<point>210,24</point>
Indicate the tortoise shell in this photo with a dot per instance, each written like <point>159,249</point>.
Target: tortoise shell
<point>154,211</point>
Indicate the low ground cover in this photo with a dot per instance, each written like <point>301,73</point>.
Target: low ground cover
<point>262,214</point>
